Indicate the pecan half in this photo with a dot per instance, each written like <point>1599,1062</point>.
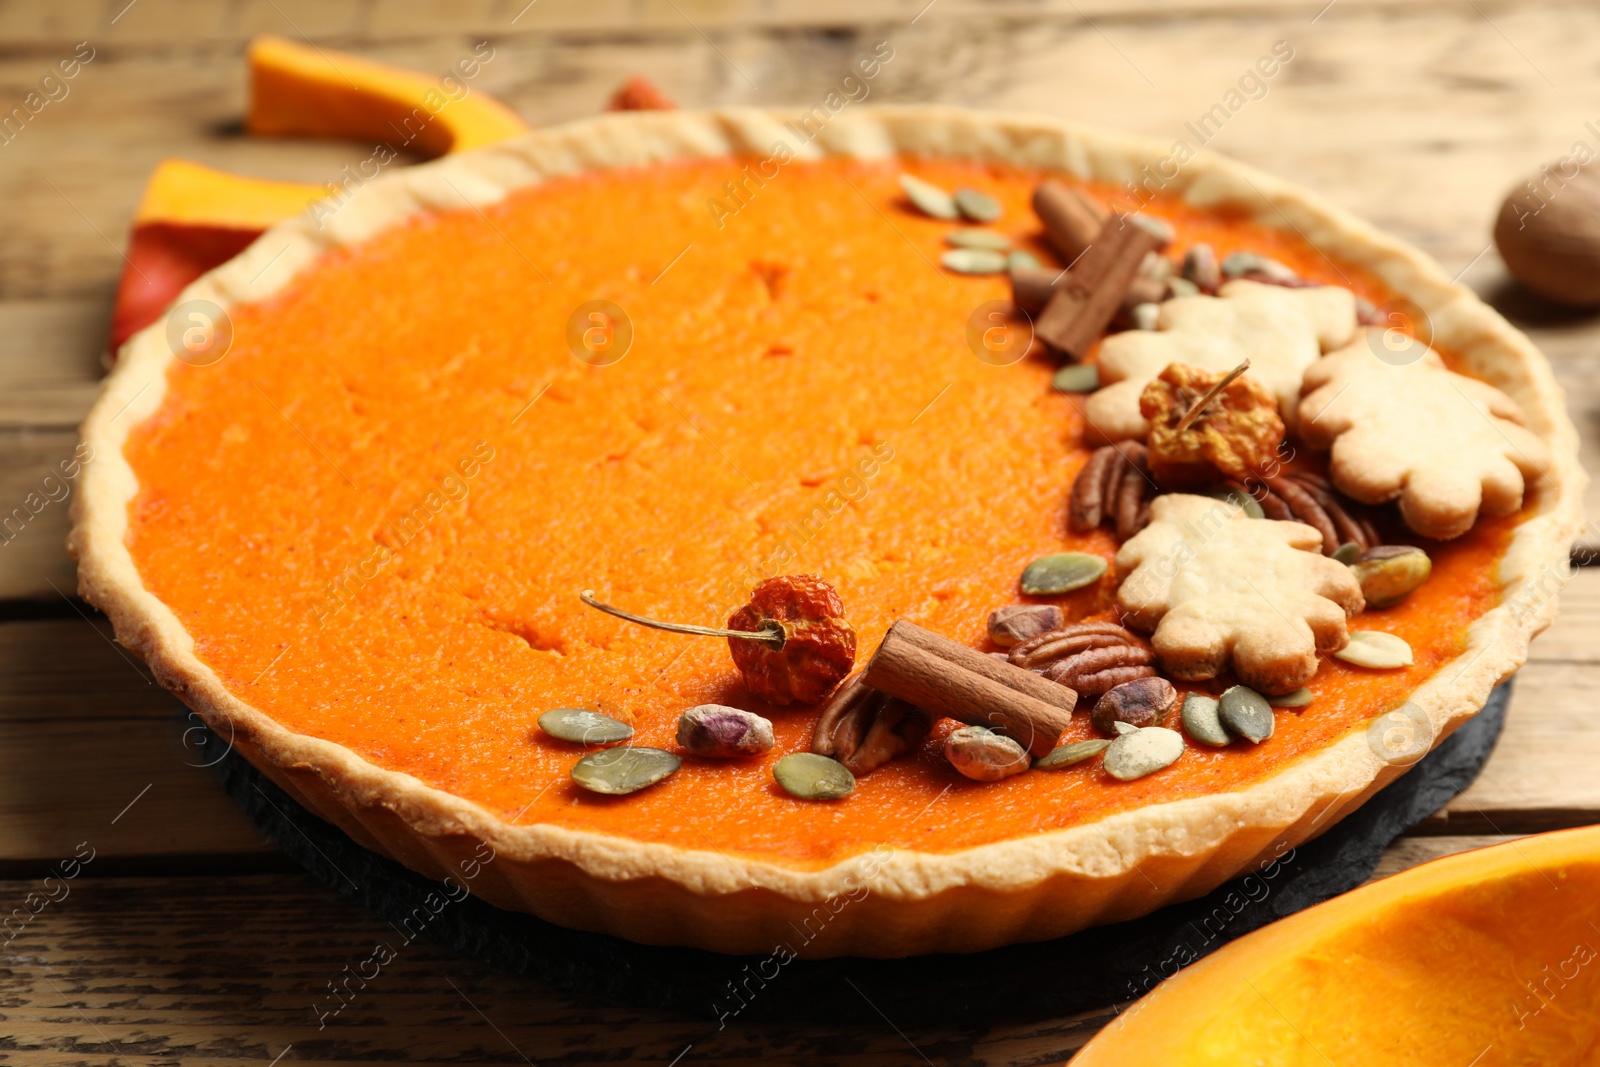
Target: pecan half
<point>864,729</point>
<point>1303,496</point>
<point>1114,486</point>
<point>1088,657</point>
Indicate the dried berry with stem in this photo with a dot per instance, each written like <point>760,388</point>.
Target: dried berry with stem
<point>790,642</point>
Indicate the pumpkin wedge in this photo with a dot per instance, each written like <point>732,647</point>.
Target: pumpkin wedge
<point>192,218</point>
<point>1487,957</point>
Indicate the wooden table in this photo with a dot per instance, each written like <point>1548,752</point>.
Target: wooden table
<point>190,939</point>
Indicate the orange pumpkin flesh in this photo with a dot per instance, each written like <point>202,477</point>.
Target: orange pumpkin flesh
<point>766,420</point>
<point>193,218</point>
<point>1486,958</point>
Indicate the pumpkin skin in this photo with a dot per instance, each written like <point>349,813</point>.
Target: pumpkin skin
<point>193,218</point>
<point>1487,957</point>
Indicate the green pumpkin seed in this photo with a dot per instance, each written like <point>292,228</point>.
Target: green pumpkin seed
<point>974,261</point>
<point>812,777</point>
<point>1181,287</point>
<point>1243,501</point>
<point>1375,649</point>
<point>1246,713</point>
<point>1145,316</point>
<point>584,727</point>
<point>1142,752</point>
<point>1070,755</point>
<point>1297,699</point>
<point>971,237</point>
<point>1389,573</point>
<point>1347,553</point>
<point>1062,572</point>
<point>617,771</point>
<point>929,198</point>
<point>977,206</point>
<point>1200,720</point>
<point>1122,729</point>
<point>1022,259</point>
<point>1076,378</point>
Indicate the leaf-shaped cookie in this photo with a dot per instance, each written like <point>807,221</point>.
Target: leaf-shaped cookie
<point>1216,586</point>
<point>1447,446</point>
<point>1281,331</point>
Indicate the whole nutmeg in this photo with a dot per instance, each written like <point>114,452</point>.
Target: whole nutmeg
<point>983,755</point>
<point>1140,702</point>
<point>1548,233</point>
<point>720,732</point>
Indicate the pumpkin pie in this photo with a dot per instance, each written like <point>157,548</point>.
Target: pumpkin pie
<point>667,356</point>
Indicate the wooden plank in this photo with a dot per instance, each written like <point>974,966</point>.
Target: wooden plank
<point>229,969</point>
<point>131,961</point>
<point>1407,852</point>
<point>50,364</point>
<point>1542,773</point>
<point>132,788</point>
<point>34,498</point>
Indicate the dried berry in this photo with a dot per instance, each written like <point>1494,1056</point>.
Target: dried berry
<point>819,646</point>
<point>1204,424</point>
<point>791,642</point>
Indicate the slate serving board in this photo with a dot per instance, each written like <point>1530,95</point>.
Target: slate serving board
<point>1092,968</point>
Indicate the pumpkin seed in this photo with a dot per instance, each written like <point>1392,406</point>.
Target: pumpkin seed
<point>1347,553</point>
<point>1142,752</point>
<point>1076,378</point>
<point>1245,712</point>
<point>721,732</point>
<point>1022,259</point>
<point>974,261</point>
<point>983,755</point>
<point>812,777</point>
<point>1070,755</point>
<point>584,727</point>
<point>977,206</point>
<point>1376,649</point>
<point>1297,699</point>
<point>1389,573</point>
<point>1181,287</point>
<point>1122,729</point>
<point>1145,316</point>
<point>972,237</point>
<point>1062,572</point>
<point>1243,501</point>
<point>1200,720</point>
<point>624,770</point>
<point>929,198</point>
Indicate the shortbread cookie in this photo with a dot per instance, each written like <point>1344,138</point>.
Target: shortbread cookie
<point>1217,587</point>
<point>1403,426</point>
<point>1280,330</point>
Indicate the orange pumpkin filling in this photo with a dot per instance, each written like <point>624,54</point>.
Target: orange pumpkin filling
<point>376,513</point>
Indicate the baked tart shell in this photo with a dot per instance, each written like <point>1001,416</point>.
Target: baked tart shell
<point>899,902</point>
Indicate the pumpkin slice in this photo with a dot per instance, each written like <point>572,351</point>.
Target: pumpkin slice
<point>1487,957</point>
<point>193,218</point>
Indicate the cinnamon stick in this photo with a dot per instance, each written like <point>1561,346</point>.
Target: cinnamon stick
<point>1072,219</point>
<point>1032,287</point>
<point>948,678</point>
<point>1085,300</point>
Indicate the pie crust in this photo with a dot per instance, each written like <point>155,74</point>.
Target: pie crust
<point>1028,888</point>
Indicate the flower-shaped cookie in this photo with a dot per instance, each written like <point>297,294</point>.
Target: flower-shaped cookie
<point>1217,587</point>
<point>1403,426</point>
<point>1280,330</point>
